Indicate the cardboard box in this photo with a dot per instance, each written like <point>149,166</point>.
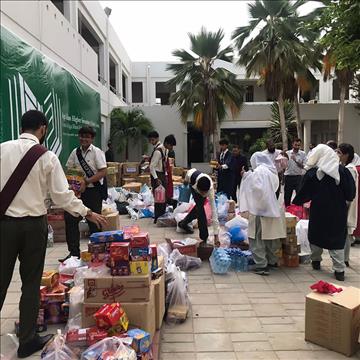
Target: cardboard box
<point>140,315</point>
<point>133,186</point>
<point>50,279</point>
<point>232,206</point>
<point>291,240</point>
<point>126,181</point>
<point>144,179</point>
<point>333,321</point>
<point>178,171</point>
<point>138,268</point>
<point>113,222</point>
<point>190,250</point>
<point>131,168</point>
<point>291,249</point>
<point>290,260</point>
<point>120,289</point>
<point>159,285</point>
<point>291,220</point>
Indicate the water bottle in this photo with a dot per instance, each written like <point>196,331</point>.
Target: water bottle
<point>50,239</point>
<point>220,261</point>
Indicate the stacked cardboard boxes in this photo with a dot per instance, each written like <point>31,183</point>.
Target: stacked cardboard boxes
<point>231,210</point>
<point>111,174</point>
<point>56,220</point>
<point>290,247</point>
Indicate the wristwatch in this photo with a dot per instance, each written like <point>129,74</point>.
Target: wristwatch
<point>89,213</point>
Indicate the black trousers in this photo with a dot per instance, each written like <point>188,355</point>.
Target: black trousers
<point>92,199</point>
<point>292,182</point>
<point>198,212</point>
<point>159,209</point>
<point>24,238</point>
<point>235,187</point>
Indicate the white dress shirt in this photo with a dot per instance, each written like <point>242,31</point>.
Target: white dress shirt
<point>293,168</point>
<point>46,176</point>
<point>94,157</point>
<point>272,155</point>
<point>156,163</point>
<point>210,194</point>
<point>222,157</point>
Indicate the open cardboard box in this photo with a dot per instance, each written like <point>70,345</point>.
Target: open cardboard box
<point>333,321</point>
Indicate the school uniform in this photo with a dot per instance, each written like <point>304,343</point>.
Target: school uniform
<point>225,174</point>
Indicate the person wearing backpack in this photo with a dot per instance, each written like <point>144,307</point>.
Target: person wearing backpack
<point>29,172</point>
<point>91,160</point>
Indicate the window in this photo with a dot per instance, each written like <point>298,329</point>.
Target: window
<point>112,69</point>
<point>310,94</point>
<point>59,5</point>
<point>163,92</point>
<point>89,35</point>
<point>249,95</point>
<point>336,91</point>
<point>124,86</point>
<point>137,92</point>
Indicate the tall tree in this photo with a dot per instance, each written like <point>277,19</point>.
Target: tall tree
<point>275,49</point>
<point>340,24</point>
<point>205,91</point>
<point>126,126</point>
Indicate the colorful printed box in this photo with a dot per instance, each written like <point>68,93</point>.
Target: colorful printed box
<point>140,240</point>
<point>120,251</point>
<point>110,315</point>
<point>140,267</point>
<point>107,236</point>
<point>141,340</point>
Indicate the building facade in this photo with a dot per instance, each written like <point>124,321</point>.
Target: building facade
<point>78,36</point>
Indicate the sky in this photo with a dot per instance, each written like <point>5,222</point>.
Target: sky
<point>151,30</point>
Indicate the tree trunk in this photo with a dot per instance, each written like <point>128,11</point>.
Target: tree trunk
<point>127,150</point>
<point>216,145</point>
<point>206,148</point>
<point>341,117</point>
<point>284,137</point>
<point>298,118</point>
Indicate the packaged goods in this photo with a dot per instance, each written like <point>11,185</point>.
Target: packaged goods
<point>96,248</point>
<point>54,313</point>
<point>120,251</point>
<point>113,222</point>
<point>77,337</point>
<point>159,195</point>
<point>56,349</point>
<point>111,170</point>
<point>43,291</point>
<point>110,315</point>
<point>333,320</point>
<point>290,249</point>
<point>290,240</point>
<point>159,287</point>
<point>50,279</point>
<point>130,169</point>
<point>131,229</point>
<point>109,289</point>
<point>140,340</point>
<point>119,268</point>
<point>291,260</point>
<point>85,256</point>
<point>187,246</point>
<point>220,261</point>
<point>133,187</point>
<point>140,267</point>
<point>140,252</point>
<point>154,257</point>
<point>139,240</point>
<point>57,293</point>
<point>231,206</point>
<point>97,259</point>
<point>107,236</point>
<point>94,335</point>
<point>291,220</point>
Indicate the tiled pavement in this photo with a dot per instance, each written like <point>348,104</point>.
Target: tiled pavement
<point>238,316</point>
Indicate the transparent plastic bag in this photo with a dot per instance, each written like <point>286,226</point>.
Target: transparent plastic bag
<point>50,239</point>
<point>166,220</point>
<point>57,349</point>
<point>164,249</point>
<point>10,355</point>
<point>76,300</point>
<point>113,194</point>
<point>183,208</point>
<point>112,347</point>
<point>69,266</point>
<point>222,206</point>
<point>238,220</point>
<point>177,301</point>
<point>132,213</point>
<point>74,322</point>
<point>86,272</point>
<point>184,262</point>
<point>147,196</point>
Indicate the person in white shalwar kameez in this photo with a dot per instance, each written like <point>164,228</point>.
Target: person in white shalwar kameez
<point>266,218</point>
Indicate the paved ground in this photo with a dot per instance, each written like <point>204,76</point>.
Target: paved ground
<point>234,317</point>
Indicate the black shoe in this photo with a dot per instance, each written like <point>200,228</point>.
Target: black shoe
<point>262,271</point>
<point>339,276</point>
<point>316,265</point>
<point>33,346</point>
<point>347,264</point>
<point>185,227</point>
<point>273,265</point>
<point>68,257</point>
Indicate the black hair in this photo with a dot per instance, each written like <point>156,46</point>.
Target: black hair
<point>203,184</point>
<point>153,135</point>
<point>33,120</point>
<point>332,144</point>
<point>170,139</point>
<point>236,146</point>
<point>296,140</point>
<point>224,142</point>
<point>87,130</point>
<point>347,149</point>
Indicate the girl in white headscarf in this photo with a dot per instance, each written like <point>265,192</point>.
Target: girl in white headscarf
<point>329,186</point>
<point>266,218</point>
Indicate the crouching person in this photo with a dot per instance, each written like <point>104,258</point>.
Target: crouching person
<point>266,218</point>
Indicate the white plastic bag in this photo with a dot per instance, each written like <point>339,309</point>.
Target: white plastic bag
<point>76,300</point>
<point>182,208</point>
<point>57,349</point>
<point>147,196</point>
<point>238,220</point>
<point>69,266</point>
<point>113,194</point>
<point>302,236</point>
<point>166,220</point>
<point>50,240</point>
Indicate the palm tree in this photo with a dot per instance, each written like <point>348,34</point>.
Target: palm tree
<point>276,52</point>
<point>129,125</point>
<point>205,92</point>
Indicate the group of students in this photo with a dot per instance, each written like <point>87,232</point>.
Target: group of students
<point>330,181</point>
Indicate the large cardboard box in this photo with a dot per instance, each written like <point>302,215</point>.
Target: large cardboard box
<point>134,186</point>
<point>130,169</point>
<point>333,321</point>
<point>56,221</point>
<point>141,314</point>
<point>121,289</point>
<point>159,285</point>
<point>178,171</point>
<point>113,222</point>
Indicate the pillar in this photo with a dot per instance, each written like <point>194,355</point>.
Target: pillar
<point>307,134</point>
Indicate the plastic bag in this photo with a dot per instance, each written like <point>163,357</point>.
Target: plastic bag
<point>238,220</point>
<point>123,194</point>
<point>184,262</point>
<point>146,213</point>
<point>69,266</point>
<point>184,193</point>
<point>160,195</point>
<point>183,208</point>
<point>281,163</point>
<point>86,272</point>
<point>57,349</point>
<point>237,235</point>
<point>296,210</point>
<point>164,249</point>
<point>11,354</point>
<point>113,195</point>
<point>132,213</point>
<point>147,196</point>
<point>136,204</point>
<point>177,302</point>
<point>109,348</point>
<point>302,236</point>
<point>222,206</point>
<point>50,239</point>
<point>76,300</point>
<point>166,220</point>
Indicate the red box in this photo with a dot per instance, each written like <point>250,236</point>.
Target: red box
<point>131,229</point>
<point>110,315</point>
<point>140,240</point>
<point>120,251</point>
<point>77,337</point>
<point>94,335</point>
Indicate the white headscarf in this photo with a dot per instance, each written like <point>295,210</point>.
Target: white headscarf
<point>258,187</point>
<point>326,160</point>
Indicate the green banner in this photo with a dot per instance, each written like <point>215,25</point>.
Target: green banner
<point>30,80</point>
